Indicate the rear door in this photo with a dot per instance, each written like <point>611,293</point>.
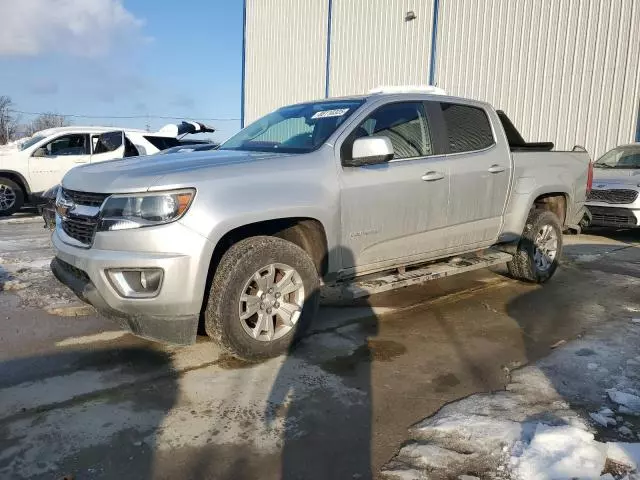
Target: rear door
<point>108,146</point>
<point>393,213</point>
<point>480,173</point>
<point>50,162</point>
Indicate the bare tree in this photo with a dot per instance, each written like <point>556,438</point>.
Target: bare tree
<point>46,120</point>
<point>8,121</point>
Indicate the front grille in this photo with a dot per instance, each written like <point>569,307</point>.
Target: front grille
<point>85,198</point>
<point>612,217</point>
<point>82,227</point>
<point>618,196</point>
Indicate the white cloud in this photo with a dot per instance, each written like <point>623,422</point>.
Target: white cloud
<point>79,27</point>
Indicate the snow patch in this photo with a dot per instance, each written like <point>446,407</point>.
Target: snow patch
<point>560,452</point>
<point>624,453</point>
<point>602,420</point>
<point>99,337</point>
<point>629,401</point>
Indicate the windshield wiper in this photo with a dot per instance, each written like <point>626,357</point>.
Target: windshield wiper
<point>602,165</point>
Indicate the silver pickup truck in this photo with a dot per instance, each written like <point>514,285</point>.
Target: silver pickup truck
<point>240,240</point>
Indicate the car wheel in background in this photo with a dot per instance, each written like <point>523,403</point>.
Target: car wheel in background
<point>11,197</point>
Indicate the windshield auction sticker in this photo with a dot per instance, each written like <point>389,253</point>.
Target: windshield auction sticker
<point>330,113</point>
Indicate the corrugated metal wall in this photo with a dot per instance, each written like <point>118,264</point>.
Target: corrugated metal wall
<point>285,54</point>
<point>373,45</point>
<point>567,71</point>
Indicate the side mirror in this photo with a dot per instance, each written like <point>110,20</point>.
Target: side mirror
<point>40,152</point>
<point>370,151</point>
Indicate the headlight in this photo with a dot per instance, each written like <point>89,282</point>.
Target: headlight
<point>122,212</point>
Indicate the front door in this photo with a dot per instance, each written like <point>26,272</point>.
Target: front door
<point>480,171</point>
<point>50,162</point>
<point>393,212</point>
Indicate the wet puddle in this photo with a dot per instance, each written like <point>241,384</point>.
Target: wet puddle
<point>374,350</point>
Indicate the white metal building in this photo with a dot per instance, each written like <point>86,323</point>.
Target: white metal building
<point>566,71</point>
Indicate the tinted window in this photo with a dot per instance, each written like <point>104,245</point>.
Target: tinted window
<point>405,124</point>
<point>74,144</point>
<point>162,143</point>
<point>468,128</point>
<point>108,142</point>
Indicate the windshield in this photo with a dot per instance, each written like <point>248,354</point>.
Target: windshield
<point>31,141</point>
<point>622,157</point>
<point>294,129</point>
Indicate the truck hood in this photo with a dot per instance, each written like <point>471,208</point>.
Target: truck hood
<point>614,176</point>
<point>136,174</point>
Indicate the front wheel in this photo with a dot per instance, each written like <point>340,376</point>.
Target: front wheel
<point>540,248</point>
<point>11,197</point>
<point>264,294</point>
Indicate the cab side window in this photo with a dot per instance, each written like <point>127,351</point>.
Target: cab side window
<point>468,128</point>
<point>404,124</point>
<point>72,144</point>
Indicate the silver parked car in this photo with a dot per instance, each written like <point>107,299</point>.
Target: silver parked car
<point>614,200</point>
<point>325,191</point>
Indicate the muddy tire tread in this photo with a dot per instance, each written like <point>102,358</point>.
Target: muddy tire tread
<point>219,312</point>
<point>522,267</point>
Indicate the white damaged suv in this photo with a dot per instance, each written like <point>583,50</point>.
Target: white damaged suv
<point>39,163</point>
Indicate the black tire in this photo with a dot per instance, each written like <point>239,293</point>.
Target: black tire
<point>19,194</point>
<point>523,265</point>
<point>238,264</point>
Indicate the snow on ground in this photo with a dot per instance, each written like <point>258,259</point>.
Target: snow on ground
<point>25,256</point>
<point>574,414</point>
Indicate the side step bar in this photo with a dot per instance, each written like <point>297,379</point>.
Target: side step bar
<point>372,285</point>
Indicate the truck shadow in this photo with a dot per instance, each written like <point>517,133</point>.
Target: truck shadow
<point>319,405</point>
<point>86,402</point>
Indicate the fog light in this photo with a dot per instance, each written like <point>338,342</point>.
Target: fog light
<point>136,283</point>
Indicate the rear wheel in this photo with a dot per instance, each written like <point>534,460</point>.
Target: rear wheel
<point>11,197</point>
<point>540,248</point>
<point>264,294</point>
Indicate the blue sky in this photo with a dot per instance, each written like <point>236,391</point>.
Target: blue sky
<point>124,57</point>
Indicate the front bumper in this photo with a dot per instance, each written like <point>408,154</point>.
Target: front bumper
<point>617,217</point>
<point>173,314</point>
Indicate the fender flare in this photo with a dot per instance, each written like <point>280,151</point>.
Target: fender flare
<point>23,181</point>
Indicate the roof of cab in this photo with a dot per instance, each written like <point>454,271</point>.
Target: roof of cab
<point>399,92</point>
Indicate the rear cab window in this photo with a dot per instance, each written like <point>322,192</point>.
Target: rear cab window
<point>468,128</point>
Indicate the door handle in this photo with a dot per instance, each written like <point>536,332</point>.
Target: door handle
<point>432,176</point>
<point>496,169</point>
